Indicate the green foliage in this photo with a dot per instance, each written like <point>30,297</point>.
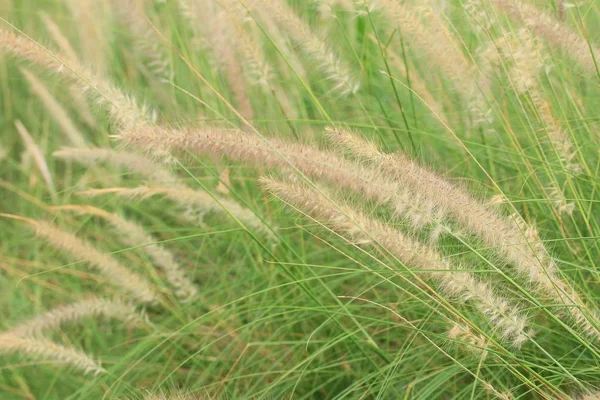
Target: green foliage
<point>311,314</point>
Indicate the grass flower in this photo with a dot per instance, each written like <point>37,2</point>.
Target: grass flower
<point>60,39</point>
<point>556,33</point>
<point>334,68</point>
<point>133,162</point>
<point>90,307</point>
<point>195,203</point>
<point>208,21</point>
<point>57,112</point>
<point>104,263</point>
<point>511,238</point>
<point>123,109</point>
<point>359,228</point>
<point>527,65</point>
<point>310,160</point>
<point>165,183</point>
<point>41,349</point>
<point>38,157</point>
<point>147,44</point>
<point>473,342</point>
<point>134,235</point>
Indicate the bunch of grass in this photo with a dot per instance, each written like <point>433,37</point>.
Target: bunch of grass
<point>147,44</point>
<point>403,183</point>
<point>512,238</point>
<point>359,228</point>
<point>329,63</point>
<point>163,182</point>
<point>209,22</point>
<point>122,108</point>
<point>42,349</point>
<point>555,32</point>
<point>308,159</point>
<point>528,61</point>
<point>104,263</point>
<point>134,234</point>
<point>89,307</point>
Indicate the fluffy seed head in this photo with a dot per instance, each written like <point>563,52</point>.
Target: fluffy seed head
<point>506,319</point>
<point>134,234</point>
<point>90,307</point>
<point>107,265</point>
<point>42,349</point>
<point>512,238</point>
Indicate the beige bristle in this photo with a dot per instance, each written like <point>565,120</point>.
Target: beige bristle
<point>134,234</point>
<point>555,32</point>
<point>505,317</point>
<point>209,22</point>
<point>104,263</point>
<point>133,162</point>
<point>90,307</point>
<point>43,349</point>
<point>507,236</point>
<point>39,159</point>
<point>195,203</point>
<point>334,68</point>
<point>57,112</point>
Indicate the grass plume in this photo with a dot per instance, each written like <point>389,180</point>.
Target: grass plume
<point>90,307</point>
<point>82,250</point>
<point>507,319</point>
<point>513,239</point>
<point>41,349</point>
<point>134,235</point>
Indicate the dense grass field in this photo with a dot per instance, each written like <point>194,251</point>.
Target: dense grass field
<point>272,199</point>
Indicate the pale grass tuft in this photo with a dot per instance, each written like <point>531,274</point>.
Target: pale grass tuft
<point>427,31</point>
<point>589,396</point>
<point>512,238</point>
<point>475,343</point>
<point>174,396</point>
<point>146,42</point>
<point>310,160</point>
<point>313,45</point>
<point>506,318</point>
<point>553,31</point>
<point>195,203</point>
<point>79,102</point>
<point>433,39</point>
<point>123,109</point>
<point>60,39</point>
<point>417,84</point>
<point>55,109</point>
<point>92,31</point>
<point>209,22</point>
<point>326,8</point>
<point>491,390</point>
<point>91,307</point>
<point>134,235</point>
<point>254,62</point>
<point>528,62</point>
<point>42,349</point>
<point>104,263</point>
<point>25,49</point>
<point>40,161</point>
<point>137,163</point>
<point>165,183</point>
